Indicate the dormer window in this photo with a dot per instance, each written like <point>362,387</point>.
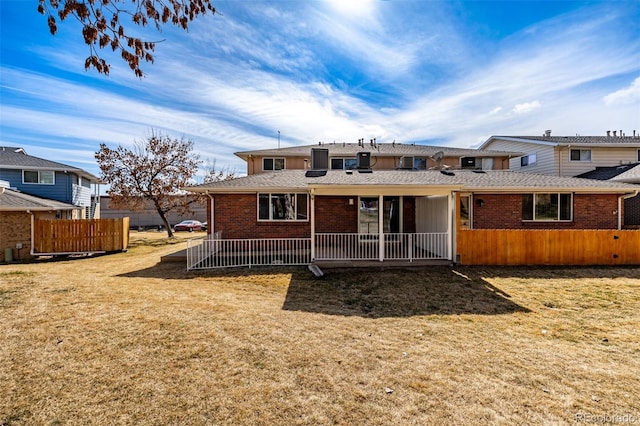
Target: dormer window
<point>270,164</point>
<point>42,177</point>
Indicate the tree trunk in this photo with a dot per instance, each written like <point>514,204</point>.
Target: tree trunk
<point>166,222</point>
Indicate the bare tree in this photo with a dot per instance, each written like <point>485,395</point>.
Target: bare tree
<point>102,24</point>
<point>156,170</point>
<point>213,174</point>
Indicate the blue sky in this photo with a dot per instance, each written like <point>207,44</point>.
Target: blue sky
<point>449,73</point>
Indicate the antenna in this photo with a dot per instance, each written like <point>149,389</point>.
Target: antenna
<point>278,139</point>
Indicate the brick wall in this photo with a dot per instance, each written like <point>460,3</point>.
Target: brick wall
<point>236,217</point>
<point>336,215</point>
<point>504,211</point>
<point>15,227</point>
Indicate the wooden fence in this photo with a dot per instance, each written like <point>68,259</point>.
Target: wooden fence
<point>548,247</point>
<point>80,236</point>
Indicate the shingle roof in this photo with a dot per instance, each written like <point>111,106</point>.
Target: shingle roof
<point>497,180</point>
<point>379,149</point>
<point>632,141</point>
<point>11,200</point>
<point>623,173</point>
<point>17,158</point>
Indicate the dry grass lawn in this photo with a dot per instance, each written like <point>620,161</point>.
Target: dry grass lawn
<point>123,339</point>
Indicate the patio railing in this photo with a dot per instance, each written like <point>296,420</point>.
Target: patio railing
<point>414,246</point>
<point>215,252</point>
<point>218,253</point>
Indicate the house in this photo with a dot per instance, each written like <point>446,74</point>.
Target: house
<point>379,156</point>
<point>629,173</point>
<point>16,212</point>
<point>567,155</point>
<point>51,180</point>
<point>573,156</point>
<point>412,215</point>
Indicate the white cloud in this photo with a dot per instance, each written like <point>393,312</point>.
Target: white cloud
<point>495,111</point>
<point>526,107</point>
<point>628,95</point>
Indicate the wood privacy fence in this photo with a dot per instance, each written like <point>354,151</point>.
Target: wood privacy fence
<point>80,236</point>
<point>548,247</point>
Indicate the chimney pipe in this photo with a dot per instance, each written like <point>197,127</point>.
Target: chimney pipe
<point>547,133</point>
<point>621,133</point>
<point>614,133</point>
<point>608,133</point>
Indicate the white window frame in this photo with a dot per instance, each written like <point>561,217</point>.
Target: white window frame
<point>582,155</point>
<point>559,194</point>
<point>344,160</point>
<point>531,159</point>
<point>469,225</point>
<point>296,213</point>
<point>40,180</point>
<point>273,160</point>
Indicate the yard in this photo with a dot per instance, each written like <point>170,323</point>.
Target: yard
<point>122,339</point>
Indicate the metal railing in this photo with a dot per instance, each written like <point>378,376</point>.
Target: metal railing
<point>214,252</point>
<point>406,246</point>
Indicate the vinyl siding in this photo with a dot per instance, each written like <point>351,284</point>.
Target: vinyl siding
<point>62,190</point>
<point>600,157</point>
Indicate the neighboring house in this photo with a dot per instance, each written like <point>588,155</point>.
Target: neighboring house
<point>16,213</point>
<point>377,156</point>
<point>148,217</point>
<point>344,213</point>
<point>567,155</point>
<point>571,155</point>
<point>629,173</point>
<point>51,180</point>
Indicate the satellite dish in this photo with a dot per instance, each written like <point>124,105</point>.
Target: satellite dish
<point>437,157</point>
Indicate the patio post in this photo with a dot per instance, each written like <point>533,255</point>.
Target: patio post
<point>313,226</point>
<point>381,227</point>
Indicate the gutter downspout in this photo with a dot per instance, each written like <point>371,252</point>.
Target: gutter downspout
<point>210,229</point>
<point>313,225</point>
<point>31,251</point>
<point>620,198</point>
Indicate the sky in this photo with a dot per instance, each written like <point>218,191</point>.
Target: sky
<point>264,73</point>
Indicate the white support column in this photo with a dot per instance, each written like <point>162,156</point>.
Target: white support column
<point>450,227</point>
<point>313,226</point>
<point>381,226</point>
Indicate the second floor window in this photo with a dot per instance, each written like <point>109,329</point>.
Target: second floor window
<point>343,163</point>
<point>43,177</point>
<point>272,164</point>
<point>528,160</point>
<point>580,155</point>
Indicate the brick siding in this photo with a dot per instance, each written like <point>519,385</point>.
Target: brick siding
<point>504,211</point>
<point>16,228</point>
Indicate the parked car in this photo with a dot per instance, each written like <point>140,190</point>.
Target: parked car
<point>188,225</point>
<point>204,226</point>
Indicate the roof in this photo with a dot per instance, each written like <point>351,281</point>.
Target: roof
<point>592,141</point>
<point>378,149</point>
<point>17,158</point>
<point>11,200</point>
<point>624,173</point>
<point>459,180</point>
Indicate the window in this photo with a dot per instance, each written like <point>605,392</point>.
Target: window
<point>465,211</point>
<point>272,164</point>
<point>580,155</point>
<point>43,177</point>
<point>639,155</point>
<point>343,163</point>
<point>420,163</point>
<point>528,160</point>
<point>283,207</point>
<point>545,207</point>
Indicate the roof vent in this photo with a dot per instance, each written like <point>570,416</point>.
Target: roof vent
<point>315,173</point>
<point>447,172</point>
